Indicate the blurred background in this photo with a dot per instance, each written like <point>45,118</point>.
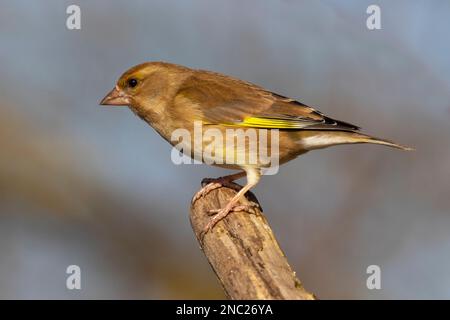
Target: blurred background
<point>94,186</point>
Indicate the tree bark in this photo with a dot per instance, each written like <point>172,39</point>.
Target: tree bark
<point>244,253</point>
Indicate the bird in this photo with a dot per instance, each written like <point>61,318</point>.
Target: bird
<point>170,97</point>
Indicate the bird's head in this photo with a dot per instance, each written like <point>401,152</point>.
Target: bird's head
<point>143,83</point>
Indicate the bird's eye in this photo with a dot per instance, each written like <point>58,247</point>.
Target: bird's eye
<point>132,82</point>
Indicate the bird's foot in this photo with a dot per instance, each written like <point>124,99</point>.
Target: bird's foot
<point>219,214</point>
<point>210,184</point>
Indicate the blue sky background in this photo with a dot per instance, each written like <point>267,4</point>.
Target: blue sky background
<point>93,186</point>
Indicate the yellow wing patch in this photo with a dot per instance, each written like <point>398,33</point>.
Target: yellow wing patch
<point>261,122</point>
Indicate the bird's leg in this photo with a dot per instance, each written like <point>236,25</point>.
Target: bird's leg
<point>210,184</point>
<point>253,176</point>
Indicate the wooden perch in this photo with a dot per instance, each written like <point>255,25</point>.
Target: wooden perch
<point>244,253</point>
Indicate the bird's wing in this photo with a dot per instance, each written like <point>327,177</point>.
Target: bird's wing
<point>228,101</point>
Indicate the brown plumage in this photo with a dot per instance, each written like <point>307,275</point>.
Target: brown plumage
<point>170,97</point>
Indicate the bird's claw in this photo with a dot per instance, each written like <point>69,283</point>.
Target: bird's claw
<point>219,214</point>
<point>207,181</point>
<point>205,190</point>
<point>210,184</point>
<point>243,207</point>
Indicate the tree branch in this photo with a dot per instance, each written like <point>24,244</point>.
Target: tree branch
<point>244,253</point>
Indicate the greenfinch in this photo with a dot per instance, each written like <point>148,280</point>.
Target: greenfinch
<point>170,97</point>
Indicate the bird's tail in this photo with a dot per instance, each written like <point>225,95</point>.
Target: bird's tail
<point>316,140</point>
<point>374,140</point>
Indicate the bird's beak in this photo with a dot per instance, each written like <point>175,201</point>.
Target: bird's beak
<point>115,98</point>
